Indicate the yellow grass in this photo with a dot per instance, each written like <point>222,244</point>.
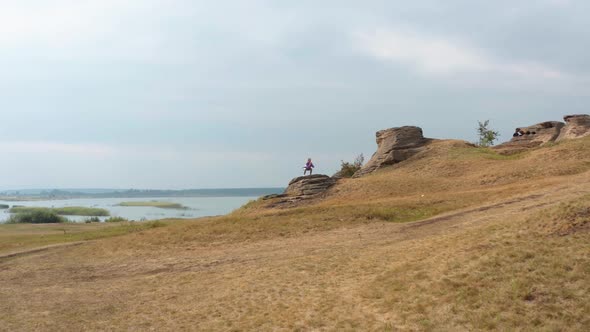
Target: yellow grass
<point>456,239</point>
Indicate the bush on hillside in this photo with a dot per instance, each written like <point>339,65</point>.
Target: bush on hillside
<point>347,169</point>
<point>36,217</point>
<point>487,136</point>
<point>4,206</point>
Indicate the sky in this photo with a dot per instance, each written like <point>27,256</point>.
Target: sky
<point>175,94</point>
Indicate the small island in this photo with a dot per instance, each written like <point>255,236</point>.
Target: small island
<point>63,211</point>
<point>156,204</point>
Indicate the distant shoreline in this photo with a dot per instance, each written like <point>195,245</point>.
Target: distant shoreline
<point>50,195</point>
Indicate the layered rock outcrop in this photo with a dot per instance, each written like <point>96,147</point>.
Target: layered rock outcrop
<point>524,138</point>
<point>303,188</point>
<point>531,137</point>
<point>394,145</point>
<point>311,185</point>
<point>576,126</point>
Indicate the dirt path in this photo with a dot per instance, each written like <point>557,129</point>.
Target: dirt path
<point>38,250</point>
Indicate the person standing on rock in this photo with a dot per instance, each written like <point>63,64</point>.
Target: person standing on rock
<point>308,167</point>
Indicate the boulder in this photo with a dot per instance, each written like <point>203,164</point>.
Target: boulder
<point>310,185</point>
<point>531,137</point>
<point>301,189</point>
<point>394,145</point>
<point>576,126</point>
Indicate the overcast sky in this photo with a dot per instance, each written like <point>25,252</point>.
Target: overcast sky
<point>200,94</point>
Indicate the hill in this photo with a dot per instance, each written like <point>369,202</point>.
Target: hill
<point>453,238</point>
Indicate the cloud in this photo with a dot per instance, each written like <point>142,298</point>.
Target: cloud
<point>560,3</point>
<point>190,154</point>
<point>176,32</point>
<point>442,56</point>
<point>430,55</point>
<point>53,164</point>
<point>58,23</point>
<point>89,30</point>
<point>171,153</point>
<point>53,147</point>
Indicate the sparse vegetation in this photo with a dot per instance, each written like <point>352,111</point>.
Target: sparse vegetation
<point>487,136</point>
<point>64,211</point>
<point>91,220</point>
<point>486,153</point>
<point>252,204</point>
<point>116,219</point>
<point>347,169</point>
<point>157,204</point>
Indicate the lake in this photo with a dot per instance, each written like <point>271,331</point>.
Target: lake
<point>197,207</point>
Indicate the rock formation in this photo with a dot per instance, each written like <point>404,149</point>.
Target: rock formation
<point>393,146</point>
<point>524,138</point>
<point>576,126</point>
<point>310,185</point>
<point>302,188</point>
<point>531,137</point>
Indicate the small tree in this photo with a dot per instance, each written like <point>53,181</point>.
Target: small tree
<point>487,136</point>
<point>347,169</point>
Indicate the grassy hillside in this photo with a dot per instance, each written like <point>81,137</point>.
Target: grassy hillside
<point>455,239</point>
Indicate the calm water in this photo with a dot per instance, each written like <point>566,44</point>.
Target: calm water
<point>197,207</point>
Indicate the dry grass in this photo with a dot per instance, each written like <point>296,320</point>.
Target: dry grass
<point>506,248</point>
<point>503,276</point>
<point>567,218</point>
<point>18,237</point>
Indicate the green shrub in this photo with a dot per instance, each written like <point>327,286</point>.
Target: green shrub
<point>4,206</point>
<point>487,136</point>
<point>36,217</point>
<point>64,211</point>
<point>91,220</point>
<point>116,219</point>
<point>347,169</point>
